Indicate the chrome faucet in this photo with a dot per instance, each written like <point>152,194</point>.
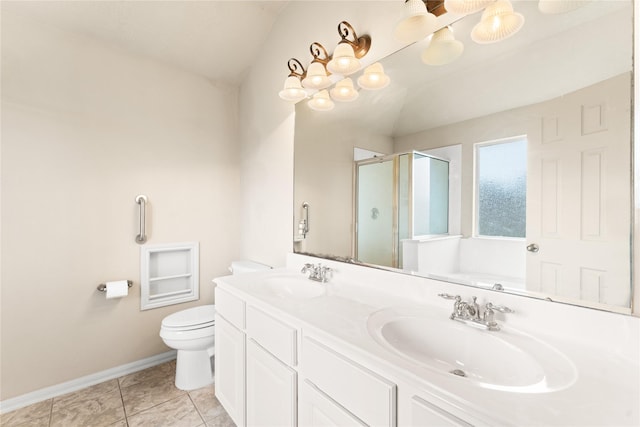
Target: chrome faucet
<point>319,272</point>
<point>469,312</point>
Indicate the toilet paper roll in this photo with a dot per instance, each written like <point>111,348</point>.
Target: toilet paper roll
<point>117,289</point>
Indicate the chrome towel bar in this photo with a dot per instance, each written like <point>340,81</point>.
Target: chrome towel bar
<point>102,287</point>
<point>141,200</point>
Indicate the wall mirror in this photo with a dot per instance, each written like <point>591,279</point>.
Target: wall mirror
<point>535,131</point>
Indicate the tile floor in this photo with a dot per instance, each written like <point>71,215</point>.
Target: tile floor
<point>144,398</point>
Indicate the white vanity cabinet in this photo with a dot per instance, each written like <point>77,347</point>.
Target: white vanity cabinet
<point>254,364</point>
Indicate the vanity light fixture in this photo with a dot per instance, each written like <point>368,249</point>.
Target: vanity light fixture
<point>317,76</point>
<point>498,22</point>
<point>293,90</point>
<point>465,7</point>
<point>443,48</point>
<point>560,6</point>
<point>344,91</point>
<point>374,77</point>
<point>348,52</point>
<point>301,83</point>
<point>321,101</point>
<point>416,24</point>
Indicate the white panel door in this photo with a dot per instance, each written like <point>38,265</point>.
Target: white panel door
<point>578,187</point>
<point>319,410</point>
<point>271,389</point>
<point>424,413</point>
<point>230,369</point>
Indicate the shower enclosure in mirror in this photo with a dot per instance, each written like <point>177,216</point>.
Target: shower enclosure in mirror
<point>563,85</point>
<point>398,197</point>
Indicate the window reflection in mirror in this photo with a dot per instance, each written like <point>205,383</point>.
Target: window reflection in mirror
<point>501,188</point>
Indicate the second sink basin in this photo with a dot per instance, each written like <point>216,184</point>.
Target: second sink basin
<point>504,360</point>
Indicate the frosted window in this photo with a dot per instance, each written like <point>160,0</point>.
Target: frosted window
<point>502,188</point>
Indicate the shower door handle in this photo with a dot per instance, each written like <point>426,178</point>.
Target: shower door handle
<point>533,247</point>
<point>142,203</point>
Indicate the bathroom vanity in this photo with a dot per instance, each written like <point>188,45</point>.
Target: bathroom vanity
<point>371,347</point>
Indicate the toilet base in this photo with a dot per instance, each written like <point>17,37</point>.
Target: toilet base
<point>194,369</point>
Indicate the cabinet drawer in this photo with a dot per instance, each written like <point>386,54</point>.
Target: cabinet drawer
<point>276,337</point>
<point>425,413</point>
<point>230,307</point>
<point>362,392</point>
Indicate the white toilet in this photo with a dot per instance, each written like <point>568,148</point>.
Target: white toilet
<point>192,333</point>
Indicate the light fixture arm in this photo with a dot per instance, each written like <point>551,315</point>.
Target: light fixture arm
<point>360,45</point>
<point>294,66</point>
<point>319,53</point>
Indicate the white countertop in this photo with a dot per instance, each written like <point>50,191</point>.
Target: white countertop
<point>606,390</point>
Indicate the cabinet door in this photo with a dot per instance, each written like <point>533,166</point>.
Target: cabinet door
<point>319,410</point>
<point>424,413</point>
<point>229,369</point>
<point>271,389</point>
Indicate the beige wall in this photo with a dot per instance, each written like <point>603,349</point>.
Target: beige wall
<point>85,128</point>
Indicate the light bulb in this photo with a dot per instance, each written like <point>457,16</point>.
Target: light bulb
<point>344,61</point>
<point>374,77</point>
<point>321,101</point>
<point>292,90</point>
<point>344,91</point>
<point>316,77</point>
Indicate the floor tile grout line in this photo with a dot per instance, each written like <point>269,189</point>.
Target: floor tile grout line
<point>197,409</point>
<point>51,413</point>
<point>124,408</point>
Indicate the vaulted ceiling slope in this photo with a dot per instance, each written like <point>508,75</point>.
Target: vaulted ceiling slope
<point>215,39</point>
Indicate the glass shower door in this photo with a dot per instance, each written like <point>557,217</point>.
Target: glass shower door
<point>376,213</point>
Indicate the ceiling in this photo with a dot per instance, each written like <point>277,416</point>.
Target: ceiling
<point>202,37</point>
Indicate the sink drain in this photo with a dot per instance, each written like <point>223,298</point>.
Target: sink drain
<point>458,372</point>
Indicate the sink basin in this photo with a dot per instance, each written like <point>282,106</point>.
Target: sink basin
<point>505,360</point>
<point>296,287</point>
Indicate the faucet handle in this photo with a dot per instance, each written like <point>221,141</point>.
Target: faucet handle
<point>326,273</point>
<point>306,267</point>
<point>500,308</point>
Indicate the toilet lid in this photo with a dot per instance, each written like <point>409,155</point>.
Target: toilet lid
<point>197,316</point>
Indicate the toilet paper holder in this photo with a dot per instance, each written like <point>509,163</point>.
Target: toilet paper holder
<point>102,287</point>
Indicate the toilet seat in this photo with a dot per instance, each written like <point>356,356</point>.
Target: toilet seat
<point>190,319</point>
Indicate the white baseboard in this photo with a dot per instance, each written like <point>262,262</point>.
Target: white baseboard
<point>14,403</point>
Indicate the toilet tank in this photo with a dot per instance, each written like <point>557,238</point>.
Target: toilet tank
<point>246,266</point>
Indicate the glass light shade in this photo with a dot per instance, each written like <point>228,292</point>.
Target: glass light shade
<point>443,48</point>
<point>316,77</point>
<point>344,60</point>
<point>293,90</point>
<point>344,91</point>
<point>321,101</point>
<point>373,78</point>
<point>416,24</point>
<point>498,22</point>
<point>465,7</point>
<point>560,6</point>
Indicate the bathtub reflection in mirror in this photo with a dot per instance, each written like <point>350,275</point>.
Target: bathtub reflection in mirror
<point>536,133</point>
